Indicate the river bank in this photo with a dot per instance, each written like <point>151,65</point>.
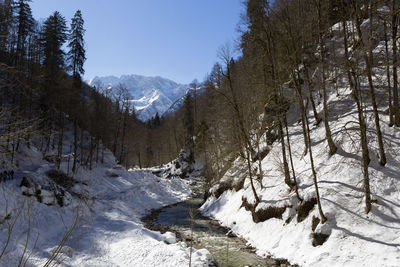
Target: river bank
<point>190,226</point>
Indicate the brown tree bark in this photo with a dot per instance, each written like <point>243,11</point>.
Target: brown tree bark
<point>314,173</point>
<point>310,92</point>
<point>248,158</point>
<point>368,58</point>
<point>354,86</point>
<point>260,169</point>
<point>328,134</point>
<point>296,186</point>
<point>396,109</point>
<point>284,158</point>
<point>75,146</point>
<point>388,76</point>
<point>60,141</point>
<point>302,109</point>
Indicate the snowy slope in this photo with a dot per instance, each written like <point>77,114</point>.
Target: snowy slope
<point>354,238</point>
<point>149,95</point>
<point>107,202</point>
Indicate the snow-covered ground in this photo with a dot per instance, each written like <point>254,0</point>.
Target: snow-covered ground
<point>105,205</point>
<point>355,238</point>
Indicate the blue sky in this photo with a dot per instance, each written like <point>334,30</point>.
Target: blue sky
<point>176,39</point>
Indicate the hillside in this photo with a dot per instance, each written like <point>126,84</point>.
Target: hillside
<point>282,226</point>
<point>353,237</point>
<point>90,219</point>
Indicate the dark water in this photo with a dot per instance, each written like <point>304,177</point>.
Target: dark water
<point>206,233</point>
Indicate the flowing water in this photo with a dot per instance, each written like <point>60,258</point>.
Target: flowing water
<point>186,221</point>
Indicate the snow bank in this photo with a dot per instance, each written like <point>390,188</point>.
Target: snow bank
<point>105,204</point>
<point>354,238</point>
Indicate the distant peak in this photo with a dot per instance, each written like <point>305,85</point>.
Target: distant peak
<point>149,94</point>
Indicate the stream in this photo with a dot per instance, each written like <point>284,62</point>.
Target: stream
<point>226,249</point>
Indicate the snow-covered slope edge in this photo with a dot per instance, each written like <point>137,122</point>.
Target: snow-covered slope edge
<point>355,238</point>
<point>284,229</point>
<point>108,203</point>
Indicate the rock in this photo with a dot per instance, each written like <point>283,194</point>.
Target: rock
<point>230,233</point>
<point>25,182</point>
<point>118,167</point>
<point>169,238</point>
<point>50,158</point>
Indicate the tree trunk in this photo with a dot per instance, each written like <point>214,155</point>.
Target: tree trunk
<point>368,57</point>
<point>75,146</point>
<point>363,129</point>
<point>116,135</point>
<point>285,163</point>
<point>91,153</point>
<point>260,169</point>
<point>251,176</point>
<point>60,142</point>
<point>48,139</point>
<point>102,153</point>
<point>81,145</point>
<point>124,124</point>
<point>140,160</point>
<point>389,89</point>
<point>396,110</point>
<point>331,144</point>
<point>12,151</point>
<point>97,149</point>
<point>238,114</point>
<point>310,91</point>
<point>321,213</point>
<point>302,109</point>
<point>296,187</point>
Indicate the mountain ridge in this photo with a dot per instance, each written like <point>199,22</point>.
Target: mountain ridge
<point>148,94</point>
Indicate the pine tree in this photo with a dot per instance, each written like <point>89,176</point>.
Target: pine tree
<point>6,21</point>
<point>194,85</point>
<point>76,54</point>
<point>216,75</point>
<point>76,59</point>
<point>188,122</point>
<point>25,23</point>
<point>156,121</point>
<point>54,36</point>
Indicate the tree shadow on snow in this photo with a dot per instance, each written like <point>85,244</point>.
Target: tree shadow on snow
<point>361,217</point>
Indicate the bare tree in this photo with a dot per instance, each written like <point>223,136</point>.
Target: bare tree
<point>368,58</point>
<point>328,134</point>
<point>395,14</point>
<point>353,79</point>
<point>314,174</point>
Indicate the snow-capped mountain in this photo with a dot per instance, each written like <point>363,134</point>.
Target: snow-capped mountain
<point>149,95</point>
<point>179,102</point>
